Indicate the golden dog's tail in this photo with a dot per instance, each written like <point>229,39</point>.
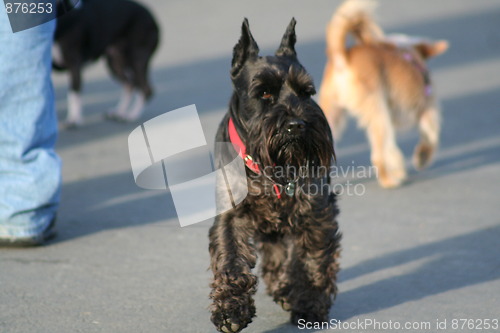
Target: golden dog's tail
<point>352,17</point>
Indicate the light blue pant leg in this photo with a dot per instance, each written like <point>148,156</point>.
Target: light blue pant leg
<point>30,170</point>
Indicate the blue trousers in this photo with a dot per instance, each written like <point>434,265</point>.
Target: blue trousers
<point>30,170</point>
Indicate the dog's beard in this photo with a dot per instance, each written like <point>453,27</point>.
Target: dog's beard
<point>289,151</point>
<point>294,156</point>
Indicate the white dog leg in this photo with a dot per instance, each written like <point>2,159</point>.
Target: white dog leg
<point>74,118</point>
<point>120,111</point>
<point>137,108</point>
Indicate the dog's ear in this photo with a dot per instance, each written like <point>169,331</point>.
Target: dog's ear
<point>287,46</point>
<point>432,49</point>
<point>245,49</point>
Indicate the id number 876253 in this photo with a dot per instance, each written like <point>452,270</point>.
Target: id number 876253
<point>29,8</point>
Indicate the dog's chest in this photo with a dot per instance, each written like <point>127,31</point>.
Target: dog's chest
<point>284,215</point>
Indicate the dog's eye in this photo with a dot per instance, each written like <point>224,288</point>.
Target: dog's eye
<point>266,95</point>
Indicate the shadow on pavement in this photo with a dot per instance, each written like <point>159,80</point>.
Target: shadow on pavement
<point>93,205</point>
<point>452,263</point>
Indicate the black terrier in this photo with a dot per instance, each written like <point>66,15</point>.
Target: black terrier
<point>286,143</point>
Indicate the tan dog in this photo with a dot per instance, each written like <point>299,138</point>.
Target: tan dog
<point>384,82</point>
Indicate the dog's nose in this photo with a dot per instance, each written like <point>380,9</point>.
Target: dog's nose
<point>295,126</point>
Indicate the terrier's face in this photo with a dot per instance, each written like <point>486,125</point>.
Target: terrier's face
<point>280,122</point>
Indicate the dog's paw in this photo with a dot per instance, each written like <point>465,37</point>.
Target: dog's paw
<point>232,325</point>
<point>422,156</point>
<point>398,176</point>
<point>392,178</point>
<point>233,316</point>
<point>229,327</point>
<point>285,305</point>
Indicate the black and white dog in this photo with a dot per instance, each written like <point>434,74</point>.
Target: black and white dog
<point>124,32</point>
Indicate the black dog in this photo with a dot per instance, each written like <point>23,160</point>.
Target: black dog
<point>280,132</point>
<point>124,32</point>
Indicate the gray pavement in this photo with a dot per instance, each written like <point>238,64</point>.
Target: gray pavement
<point>424,253</point>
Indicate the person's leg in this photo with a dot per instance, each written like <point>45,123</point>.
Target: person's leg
<point>30,170</point>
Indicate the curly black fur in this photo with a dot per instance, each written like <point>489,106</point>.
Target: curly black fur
<point>296,236</point>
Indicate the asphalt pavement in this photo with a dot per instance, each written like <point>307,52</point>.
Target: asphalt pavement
<point>425,255</point>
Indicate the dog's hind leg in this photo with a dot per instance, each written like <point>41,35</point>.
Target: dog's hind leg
<point>429,126</point>
<point>120,111</point>
<point>128,110</point>
<point>74,118</point>
<point>137,107</point>
<point>141,75</point>
<point>117,63</point>
<point>140,79</point>
<point>386,157</point>
<point>232,260</point>
<point>313,268</point>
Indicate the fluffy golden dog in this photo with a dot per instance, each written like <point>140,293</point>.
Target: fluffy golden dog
<point>384,82</point>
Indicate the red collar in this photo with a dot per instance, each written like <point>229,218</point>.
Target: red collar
<point>239,146</point>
